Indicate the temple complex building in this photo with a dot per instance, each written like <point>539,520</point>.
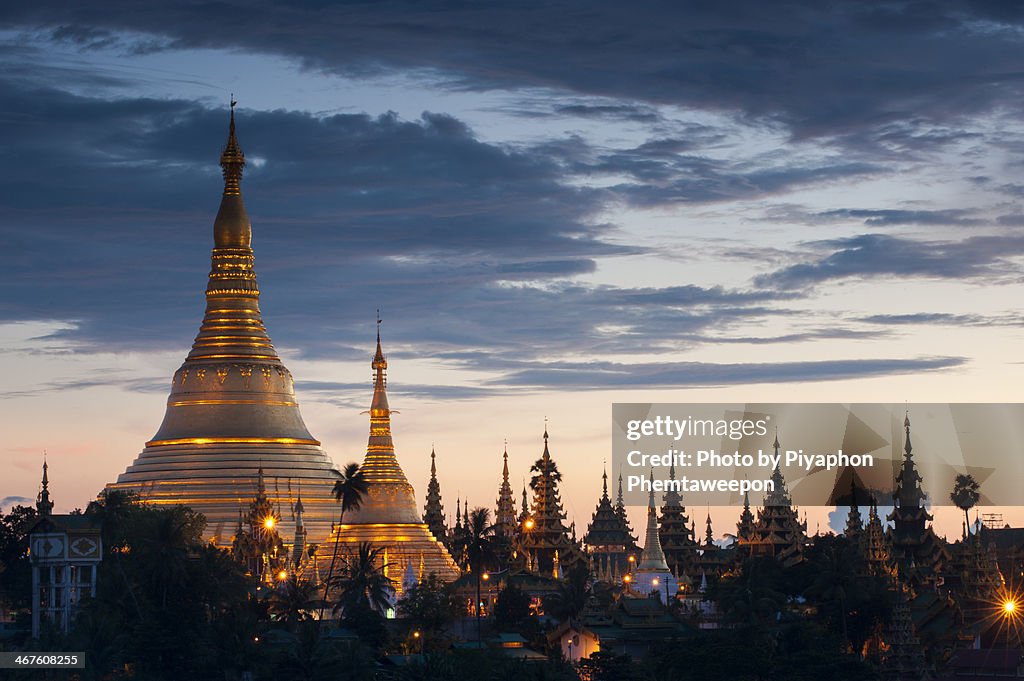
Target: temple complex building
<point>506,526</point>
<point>65,552</point>
<point>674,531</point>
<point>918,553</point>
<point>609,540</point>
<point>232,409</point>
<point>778,532</point>
<point>433,511</point>
<point>545,542</point>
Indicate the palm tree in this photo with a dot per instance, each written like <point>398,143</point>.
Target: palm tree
<point>294,600</point>
<point>965,496</point>
<point>477,545</point>
<point>570,599</point>
<point>538,469</point>
<point>349,490</point>
<point>362,583</point>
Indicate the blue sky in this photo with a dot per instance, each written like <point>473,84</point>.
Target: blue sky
<point>556,206</point>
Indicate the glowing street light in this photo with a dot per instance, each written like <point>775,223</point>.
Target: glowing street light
<point>627,578</point>
<point>485,576</point>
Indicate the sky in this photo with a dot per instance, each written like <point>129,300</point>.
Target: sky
<point>555,205</point>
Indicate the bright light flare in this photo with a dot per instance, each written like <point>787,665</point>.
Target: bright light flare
<point>269,522</point>
<point>1009,607</point>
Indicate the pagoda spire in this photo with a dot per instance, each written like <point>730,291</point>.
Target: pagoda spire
<point>433,511</point>
<point>674,532</point>
<point>609,539</point>
<point>44,506</point>
<point>745,527</point>
<point>916,549</point>
<point>380,465</point>
<point>233,326</point>
<point>654,557</point>
<point>505,513</point>
<point>299,542</point>
<point>548,532</point>
<point>620,506</point>
<point>854,523</point>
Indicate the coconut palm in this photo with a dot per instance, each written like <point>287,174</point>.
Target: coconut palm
<point>362,584</point>
<point>294,600</point>
<point>349,490</point>
<point>965,496</point>
<point>477,545</point>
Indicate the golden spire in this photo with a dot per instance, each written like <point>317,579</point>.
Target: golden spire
<point>381,465</point>
<point>231,228</point>
<point>233,326</point>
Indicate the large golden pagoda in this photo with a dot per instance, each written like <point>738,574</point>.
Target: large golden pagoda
<point>388,517</point>
<point>232,407</point>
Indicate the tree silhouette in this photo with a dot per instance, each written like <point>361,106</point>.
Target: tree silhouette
<point>362,584</point>
<point>965,496</point>
<point>477,545</point>
<point>349,491</point>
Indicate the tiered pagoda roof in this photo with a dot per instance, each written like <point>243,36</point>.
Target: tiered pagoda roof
<point>433,511</point>
<point>918,552</point>
<point>505,522</point>
<point>674,530</point>
<point>609,540</point>
<point>778,532</point>
<point>548,534</point>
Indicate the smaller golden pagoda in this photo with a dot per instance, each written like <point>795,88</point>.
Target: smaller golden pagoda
<point>388,517</point>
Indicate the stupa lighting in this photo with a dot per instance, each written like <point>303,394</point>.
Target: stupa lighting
<point>1009,607</point>
<point>269,522</point>
<point>529,523</point>
<point>232,408</point>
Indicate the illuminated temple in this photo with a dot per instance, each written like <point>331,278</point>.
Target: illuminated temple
<point>388,516</point>
<point>232,407</point>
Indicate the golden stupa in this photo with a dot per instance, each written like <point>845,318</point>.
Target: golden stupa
<point>232,407</point>
<point>388,516</point>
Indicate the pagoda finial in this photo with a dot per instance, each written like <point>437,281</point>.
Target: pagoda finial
<point>604,481</point>
<point>379,409</point>
<point>619,503</point>
<point>232,160</point>
<point>906,426</point>
<point>231,228</point>
<point>433,464</point>
<point>504,469</point>
<point>43,503</point>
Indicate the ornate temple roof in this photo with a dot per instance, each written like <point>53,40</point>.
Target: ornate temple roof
<point>433,511</point>
<point>548,535</point>
<point>505,521</point>
<point>607,528</point>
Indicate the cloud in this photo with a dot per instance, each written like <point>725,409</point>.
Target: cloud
<point>820,69</point>
<point>875,218</point>
<point>10,501</point>
<point>603,375</point>
<point>877,255</point>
